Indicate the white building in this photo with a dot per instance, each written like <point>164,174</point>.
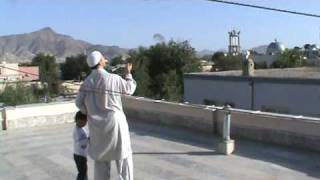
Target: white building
<point>273,52</point>
<point>9,72</point>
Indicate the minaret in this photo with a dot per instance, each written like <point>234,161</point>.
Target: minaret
<point>234,43</point>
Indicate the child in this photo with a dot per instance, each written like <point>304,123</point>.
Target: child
<point>80,142</point>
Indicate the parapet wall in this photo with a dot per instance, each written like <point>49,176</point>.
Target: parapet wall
<point>167,113</point>
<point>38,115</point>
<point>295,131</point>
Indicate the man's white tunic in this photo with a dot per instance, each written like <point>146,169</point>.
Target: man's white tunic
<point>100,98</point>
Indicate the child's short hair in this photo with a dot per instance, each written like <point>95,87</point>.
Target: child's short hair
<point>80,116</point>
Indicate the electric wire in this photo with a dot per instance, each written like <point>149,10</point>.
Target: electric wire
<point>266,8</point>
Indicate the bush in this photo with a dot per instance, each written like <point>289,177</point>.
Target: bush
<point>18,93</point>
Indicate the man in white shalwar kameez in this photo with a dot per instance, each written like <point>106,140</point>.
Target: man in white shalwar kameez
<point>100,98</point>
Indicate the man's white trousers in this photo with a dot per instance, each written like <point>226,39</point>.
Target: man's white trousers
<point>124,169</point>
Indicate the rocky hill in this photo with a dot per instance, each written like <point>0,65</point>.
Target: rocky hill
<point>23,47</point>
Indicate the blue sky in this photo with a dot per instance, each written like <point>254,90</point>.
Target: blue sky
<point>132,23</point>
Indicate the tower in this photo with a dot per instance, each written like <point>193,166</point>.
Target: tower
<point>234,43</point>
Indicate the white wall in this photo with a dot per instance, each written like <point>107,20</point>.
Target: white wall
<point>239,93</point>
<point>300,99</point>
<point>292,97</point>
<point>38,114</point>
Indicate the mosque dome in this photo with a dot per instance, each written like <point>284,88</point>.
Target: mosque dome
<point>275,48</point>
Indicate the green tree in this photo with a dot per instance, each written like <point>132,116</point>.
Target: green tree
<point>290,59</point>
<point>172,87</point>
<point>224,62</point>
<point>160,69</point>
<point>141,72</point>
<point>49,71</point>
<point>18,93</point>
<point>261,65</point>
<point>217,56</point>
<point>116,60</point>
<point>74,67</point>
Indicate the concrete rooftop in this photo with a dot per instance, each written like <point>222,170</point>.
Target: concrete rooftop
<point>160,153</point>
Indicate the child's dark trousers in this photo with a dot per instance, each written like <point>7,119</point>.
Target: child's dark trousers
<point>81,163</point>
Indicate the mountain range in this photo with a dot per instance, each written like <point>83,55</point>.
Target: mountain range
<point>23,47</point>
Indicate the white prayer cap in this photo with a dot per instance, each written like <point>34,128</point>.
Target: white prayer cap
<point>94,58</point>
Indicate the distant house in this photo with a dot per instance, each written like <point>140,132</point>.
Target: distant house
<point>205,65</point>
<point>29,73</point>
<point>289,91</point>
<point>310,52</point>
<point>9,72</point>
<point>13,72</point>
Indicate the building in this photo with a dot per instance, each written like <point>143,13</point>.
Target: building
<point>274,50</point>
<point>29,73</point>
<point>290,91</point>
<point>9,73</point>
<point>309,52</point>
<point>206,66</point>
<point>13,72</point>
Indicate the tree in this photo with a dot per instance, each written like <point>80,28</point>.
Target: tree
<point>18,93</point>
<point>116,60</point>
<point>160,69</point>
<point>172,87</point>
<point>74,67</point>
<point>224,62</point>
<point>141,72</point>
<point>290,59</point>
<point>49,71</point>
<point>217,56</point>
<point>261,65</point>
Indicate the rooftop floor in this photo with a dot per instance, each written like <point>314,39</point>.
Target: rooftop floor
<point>45,153</point>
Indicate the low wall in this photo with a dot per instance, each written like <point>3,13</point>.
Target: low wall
<point>167,113</point>
<point>295,131</point>
<point>38,115</point>
<point>288,130</point>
